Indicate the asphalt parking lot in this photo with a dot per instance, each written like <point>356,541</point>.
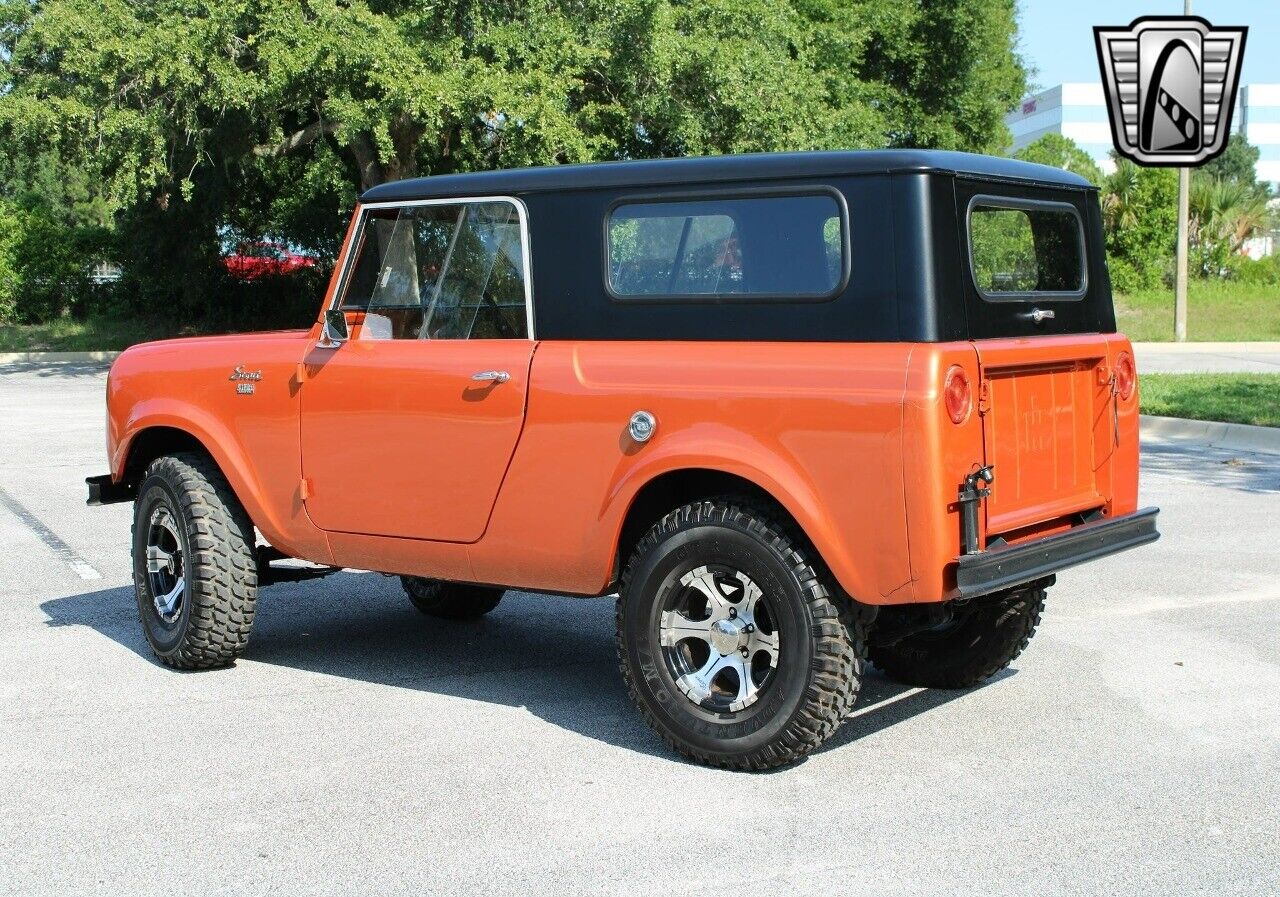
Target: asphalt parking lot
<point>361,748</point>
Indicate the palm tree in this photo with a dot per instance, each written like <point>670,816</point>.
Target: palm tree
<point>1119,197</point>
<point>1224,214</point>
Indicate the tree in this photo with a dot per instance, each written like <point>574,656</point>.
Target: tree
<point>1237,164</point>
<point>1228,206</point>
<point>1224,214</point>
<point>1140,212</point>
<point>1062,152</point>
<point>201,117</point>
<point>944,73</point>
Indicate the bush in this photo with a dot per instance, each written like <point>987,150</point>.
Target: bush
<point>1140,211</point>
<point>44,265</point>
<point>1263,272</point>
<point>10,282</point>
<point>272,302</point>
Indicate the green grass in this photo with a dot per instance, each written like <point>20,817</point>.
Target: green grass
<point>1233,398</point>
<point>1216,312</point>
<point>92,335</point>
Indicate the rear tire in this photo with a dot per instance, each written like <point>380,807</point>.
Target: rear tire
<point>195,571</point>
<point>968,649</point>
<point>450,600</point>
<point>720,590</point>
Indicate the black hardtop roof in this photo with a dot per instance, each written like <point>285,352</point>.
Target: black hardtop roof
<point>712,169</point>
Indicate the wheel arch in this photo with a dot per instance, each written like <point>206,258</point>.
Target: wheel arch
<point>663,491</point>
<point>152,439</point>
<point>155,442</point>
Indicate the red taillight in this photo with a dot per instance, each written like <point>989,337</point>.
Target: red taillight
<point>1126,375</point>
<point>956,395</point>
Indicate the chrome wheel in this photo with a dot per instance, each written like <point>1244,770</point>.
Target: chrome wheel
<point>165,568</point>
<point>719,638</point>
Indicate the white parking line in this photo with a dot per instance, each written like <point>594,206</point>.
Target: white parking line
<point>78,565</point>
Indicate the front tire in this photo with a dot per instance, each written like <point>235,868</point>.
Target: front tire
<point>978,643</point>
<point>730,640</point>
<point>195,571</point>
<point>450,600</point>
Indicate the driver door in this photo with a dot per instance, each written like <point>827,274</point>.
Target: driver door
<point>407,428</point>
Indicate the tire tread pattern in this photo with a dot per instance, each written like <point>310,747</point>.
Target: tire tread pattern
<point>838,634</point>
<point>990,640</point>
<point>221,543</point>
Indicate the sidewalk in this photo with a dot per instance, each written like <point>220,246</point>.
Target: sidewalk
<point>1210,358</point>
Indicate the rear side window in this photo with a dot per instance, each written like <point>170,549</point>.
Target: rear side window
<point>767,247</point>
<point>1026,250</point>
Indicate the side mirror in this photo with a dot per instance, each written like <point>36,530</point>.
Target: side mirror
<point>335,329</point>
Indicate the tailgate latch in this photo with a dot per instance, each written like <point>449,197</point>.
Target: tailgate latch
<point>971,493</point>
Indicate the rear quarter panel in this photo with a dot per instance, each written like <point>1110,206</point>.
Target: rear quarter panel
<point>817,425</point>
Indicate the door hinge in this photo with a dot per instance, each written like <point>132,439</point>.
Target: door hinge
<point>301,374</point>
<point>304,489</point>
<point>984,396</point>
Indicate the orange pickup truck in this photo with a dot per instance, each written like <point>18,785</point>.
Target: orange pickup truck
<point>798,411</point>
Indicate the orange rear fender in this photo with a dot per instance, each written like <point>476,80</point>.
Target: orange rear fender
<point>726,450</point>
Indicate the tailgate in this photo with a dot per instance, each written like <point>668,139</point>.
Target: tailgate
<point>1046,410</point>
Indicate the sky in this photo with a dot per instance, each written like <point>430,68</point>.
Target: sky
<point>1057,35</point>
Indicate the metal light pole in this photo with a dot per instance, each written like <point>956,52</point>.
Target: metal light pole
<point>1180,272</point>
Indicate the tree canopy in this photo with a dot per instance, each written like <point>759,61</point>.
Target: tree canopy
<point>199,117</point>
<point>1062,152</point>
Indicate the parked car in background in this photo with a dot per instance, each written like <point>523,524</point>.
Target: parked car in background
<point>253,260</point>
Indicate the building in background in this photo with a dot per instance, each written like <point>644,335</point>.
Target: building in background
<point>1078,110</point>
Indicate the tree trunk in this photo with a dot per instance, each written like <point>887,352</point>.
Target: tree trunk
<point>405,134</point>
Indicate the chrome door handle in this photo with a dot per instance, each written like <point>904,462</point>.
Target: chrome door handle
<point>492,376</point>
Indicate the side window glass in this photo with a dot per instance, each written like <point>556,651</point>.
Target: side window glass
<point>1022,253</point>
<point>790,247</point>
<point>440,271</point>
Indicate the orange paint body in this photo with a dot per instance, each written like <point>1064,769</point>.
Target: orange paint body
<point>385,455</point>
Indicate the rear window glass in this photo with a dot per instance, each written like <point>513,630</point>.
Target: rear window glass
<point>769,246</point>
<point>1023,252</point>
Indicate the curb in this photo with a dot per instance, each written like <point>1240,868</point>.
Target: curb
<point>38,357</point>
<point>1235,437</point>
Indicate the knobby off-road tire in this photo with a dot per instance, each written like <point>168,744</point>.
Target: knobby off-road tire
<point>799,702</point>
<point>186,499</point>
<point>450,600</point>
<point>971,648</point>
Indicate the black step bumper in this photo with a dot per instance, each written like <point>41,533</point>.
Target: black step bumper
<point>103,491</point>
<point>1001,568</point>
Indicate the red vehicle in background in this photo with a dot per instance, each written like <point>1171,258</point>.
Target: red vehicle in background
<point>252,261</point>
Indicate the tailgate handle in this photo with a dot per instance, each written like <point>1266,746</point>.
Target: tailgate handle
<point>1038,315</point>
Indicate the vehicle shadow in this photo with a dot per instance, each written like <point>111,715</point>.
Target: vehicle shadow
<point>553,656</point>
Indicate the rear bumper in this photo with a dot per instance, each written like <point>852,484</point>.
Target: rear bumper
<point>104,491</point>
<point>1001,568</point>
